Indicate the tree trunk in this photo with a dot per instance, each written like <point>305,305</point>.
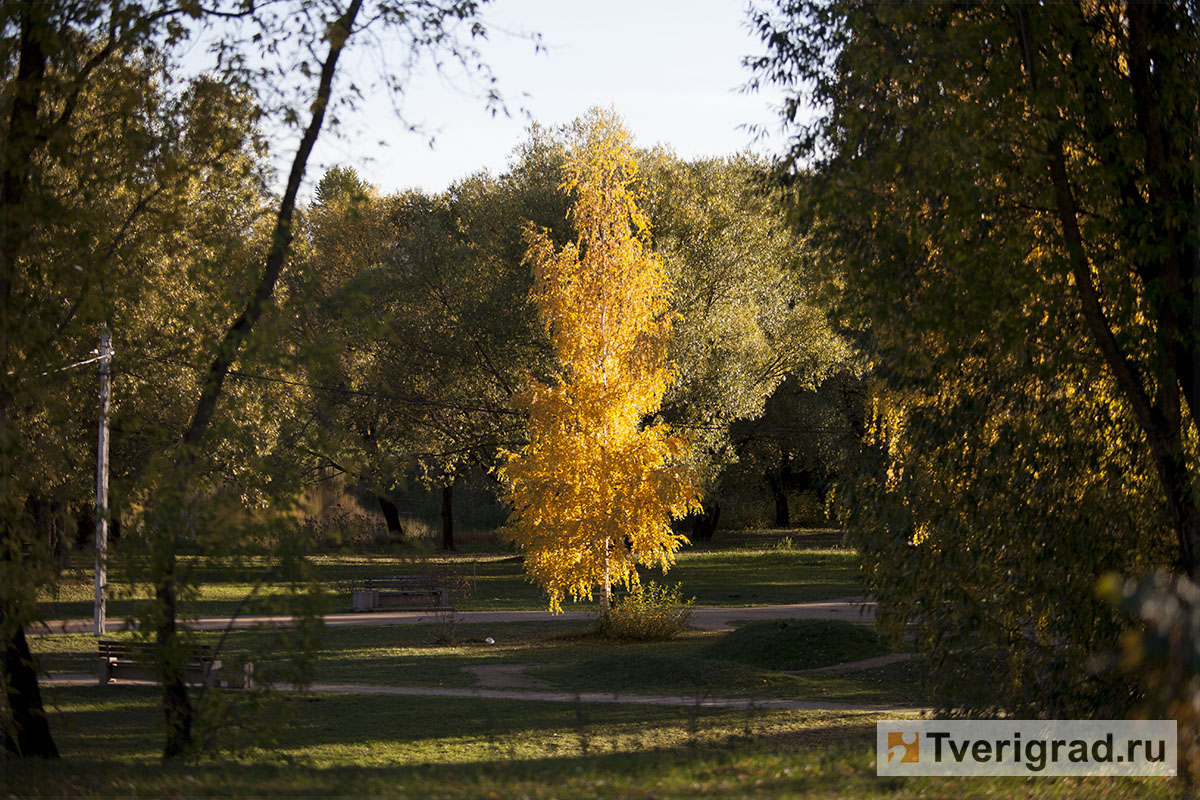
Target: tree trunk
<point>391,514</point>
<point>782,517</point>
<point>447,515</point>
<point>779,482</point>
<point>44,514</point>
<point>29,721</point>
<point>85,530</point>
<point>20,144</point>
<point>281,238</point>
<point>606,595</point>
<point>704,524</point>
<point>177,706</point>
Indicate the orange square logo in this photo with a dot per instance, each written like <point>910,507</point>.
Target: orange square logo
<point>905,745</point>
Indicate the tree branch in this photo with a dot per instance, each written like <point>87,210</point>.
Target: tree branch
<point>1160,425</point>
<point>281,238</point>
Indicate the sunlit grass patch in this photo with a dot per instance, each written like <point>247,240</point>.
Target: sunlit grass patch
<point>564,654</point>
<point>748,568</point>
<point>380,746</point>
<point>764,576</point>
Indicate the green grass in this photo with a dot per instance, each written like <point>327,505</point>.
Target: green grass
<point>763,577</point>
<point>383,746</point>
<point>409,655</point>
<point>221,590</point>
<point>751,569</point>
<point>681,669</point>
<point>799,644</point>
<point>561,653</point>
<point>400,746</point>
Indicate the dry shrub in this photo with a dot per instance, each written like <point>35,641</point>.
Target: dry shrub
<point>654,613</point>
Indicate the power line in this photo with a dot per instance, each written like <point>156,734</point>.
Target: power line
<point>72,365</point>
<point>91,360</point>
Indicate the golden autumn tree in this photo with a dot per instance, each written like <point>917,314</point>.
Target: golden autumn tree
<point>594,491</point>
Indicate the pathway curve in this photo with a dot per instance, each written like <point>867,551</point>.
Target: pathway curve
<point>855,666</point>
<point>850,609</point>
<point>508,682</point>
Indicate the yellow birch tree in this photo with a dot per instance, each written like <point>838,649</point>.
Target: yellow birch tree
<point>594,491</point>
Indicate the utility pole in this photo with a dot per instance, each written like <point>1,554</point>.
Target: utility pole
<point>102,481</point>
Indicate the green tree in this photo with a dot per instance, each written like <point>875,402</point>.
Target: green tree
<point>92,214</point>
<point>594,491</point>
<point>434,327</point>
<point>347,235</point>
<point>52,54</point>
<point>804,442</point>
<point>425,27</point>
<point>1007,198</point>
<point>52,51</point>
<point>442,293</point>
<point>751,314</point>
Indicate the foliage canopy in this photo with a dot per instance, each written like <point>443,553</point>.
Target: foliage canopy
<point>594,491</point>
<point>1006,196</point>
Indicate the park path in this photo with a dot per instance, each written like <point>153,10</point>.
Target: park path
<point>698,700</point>
<point>850,609</point>
<point>514,685</point>
<point>855,666</point>
<point>543,696</point>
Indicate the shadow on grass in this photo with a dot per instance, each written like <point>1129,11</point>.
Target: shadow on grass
<point>722,576</point>
<point>355,747</point>
<point>564,654</point>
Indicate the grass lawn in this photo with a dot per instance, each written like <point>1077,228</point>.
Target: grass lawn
<point>791,644</point>
<point>563,656</point>
<point>359,746</point>
<point>748,568</point>
<point>330,744</point>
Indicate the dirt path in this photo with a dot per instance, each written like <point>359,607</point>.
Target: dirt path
<point>505,676</point>
<point>698,701</point>
<point>514,676</point>
<point>850,609</point>
<point>855,666</point>
<point>509,681</point>
<point>608,698</point>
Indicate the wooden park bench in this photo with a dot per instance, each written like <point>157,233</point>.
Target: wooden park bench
<point>401,591</point>
<point>132,661</point>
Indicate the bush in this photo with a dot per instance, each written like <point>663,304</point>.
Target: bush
<point>653,613</point>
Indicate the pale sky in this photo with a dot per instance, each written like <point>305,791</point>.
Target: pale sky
<point>670,68</point>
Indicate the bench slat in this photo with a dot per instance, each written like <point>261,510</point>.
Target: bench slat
<point>130,660</point>
<point>398,591</point>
